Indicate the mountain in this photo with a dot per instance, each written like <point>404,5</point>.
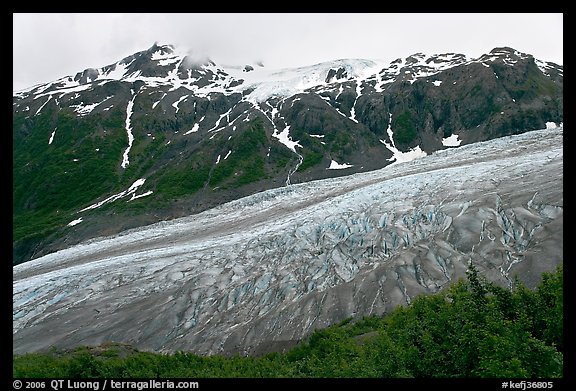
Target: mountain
<point>161,134</point>
<point>260,273</point>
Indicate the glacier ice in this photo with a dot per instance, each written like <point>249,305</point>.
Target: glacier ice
<point>272,267</point>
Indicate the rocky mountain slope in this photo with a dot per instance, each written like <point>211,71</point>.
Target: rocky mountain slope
<point>158,135</point>
<point>260,273</point>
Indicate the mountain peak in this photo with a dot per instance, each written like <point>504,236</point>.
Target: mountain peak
<point>155,47</point>
<point>503,49</point>
<point>506,51</point>
<point>160,50</point>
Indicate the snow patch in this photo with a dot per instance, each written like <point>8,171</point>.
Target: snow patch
<point>284,138</point>
<point>551,125</point>
<point>334,165</point>
<point>227,115</point>
<point>158,101</point>
<point>118,72</point>
<point>451,141</point>
<point>175,104</point>
<point>134,196</point>
<point>399,156</point>
<point>353,109</point>
<point>83,110</point>
<point>168,61</point>
<point>288,82</point>
<point>125,160</point>
<point>74,222</point>
<point>161,54</point>
<point>131,191</point>
<point>41,107</point>
<point>193,130</point>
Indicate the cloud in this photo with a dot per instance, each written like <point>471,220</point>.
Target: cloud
<point>50,46</point>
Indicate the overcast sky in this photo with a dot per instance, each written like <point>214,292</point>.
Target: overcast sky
<point>50,46</point>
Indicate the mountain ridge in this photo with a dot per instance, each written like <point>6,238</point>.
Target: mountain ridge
<point>193,134</point>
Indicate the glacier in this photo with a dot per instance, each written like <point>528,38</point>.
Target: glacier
<point>260,273</point>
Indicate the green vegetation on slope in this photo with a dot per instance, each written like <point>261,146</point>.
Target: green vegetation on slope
<point>52,181</point>
<point>472,329</point>
<point>310,159</point>
<point>245,163</point>
<point>404,128</point>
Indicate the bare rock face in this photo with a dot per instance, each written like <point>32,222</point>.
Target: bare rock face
<point>262,272</point>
